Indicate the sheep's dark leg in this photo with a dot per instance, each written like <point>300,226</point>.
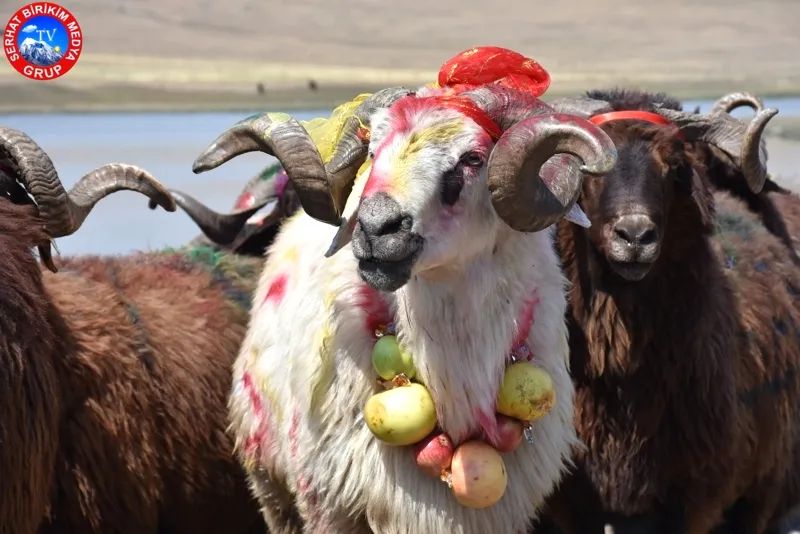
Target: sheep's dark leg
<point>674,515</point>
<point>747,516</point>
<point>545,526</point>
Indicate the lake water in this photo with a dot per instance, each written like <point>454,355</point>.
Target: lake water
<point>166,144</point>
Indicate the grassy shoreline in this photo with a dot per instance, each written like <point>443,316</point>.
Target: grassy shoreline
<point>135,99</point>
<point>115,84</point>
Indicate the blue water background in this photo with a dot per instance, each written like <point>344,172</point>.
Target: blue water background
<point>166,144</point>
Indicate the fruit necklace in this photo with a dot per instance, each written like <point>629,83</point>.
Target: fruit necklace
<point>405,414</point>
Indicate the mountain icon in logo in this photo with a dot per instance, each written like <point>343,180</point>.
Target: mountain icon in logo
<point>39,53</point>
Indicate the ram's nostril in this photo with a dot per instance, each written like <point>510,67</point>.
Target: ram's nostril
<point>621,234</point>
<point>391,226</point>
<point>648,237</point>
<point>635,230</point>
<point>381,215</point>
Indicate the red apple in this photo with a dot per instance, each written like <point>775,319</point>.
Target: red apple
<point>510,432</point>
<point>434,453</point>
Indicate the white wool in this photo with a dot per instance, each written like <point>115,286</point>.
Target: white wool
<point>457,316</point>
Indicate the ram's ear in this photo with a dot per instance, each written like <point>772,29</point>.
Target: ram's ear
<point>700,191</point>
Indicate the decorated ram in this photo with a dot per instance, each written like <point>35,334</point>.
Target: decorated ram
<point>115,371</point>
<point>683,334</point>
<point>451,249</point>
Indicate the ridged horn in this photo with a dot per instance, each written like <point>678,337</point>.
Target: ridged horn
<point>351,148</point>
<point>280,135</point>
<point>322,189</point>
<point>742,142</point>
<point>64,212</point>
<point>526,194</point>
<point>220,228</point>
<point>732,101</point>
<point>582,106</point>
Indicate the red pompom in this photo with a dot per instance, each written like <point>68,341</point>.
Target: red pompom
<point>493,64</point>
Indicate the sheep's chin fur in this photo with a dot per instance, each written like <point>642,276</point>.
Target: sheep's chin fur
<point>342,479</point>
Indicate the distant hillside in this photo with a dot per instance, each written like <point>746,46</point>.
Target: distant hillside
<point>703,45</point>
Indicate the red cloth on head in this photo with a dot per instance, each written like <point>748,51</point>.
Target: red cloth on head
<point>484,65</point>
<point>487,65</point>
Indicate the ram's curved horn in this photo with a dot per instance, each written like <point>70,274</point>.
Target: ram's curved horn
<point>527,195</point>
<point>351,148</point>
<point>742,142</point>
<point>732,101</point>
<point>322,189</point>
<point>280,135</point>
<point>220,228</point>
<point>530,200</point>
<point>583,106</point>
<point>62,212</point>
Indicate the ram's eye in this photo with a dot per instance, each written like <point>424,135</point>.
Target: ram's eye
<point>472,159</point>
<point>452,184</point>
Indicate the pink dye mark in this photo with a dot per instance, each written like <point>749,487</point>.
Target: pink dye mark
<point>376,182</point>
<point>256,439</point>
<point>375,308</point>
<point>315,515</point>
<point>525,322</point>
<point>487,421</point>
<point>293,433</point>
<point>245,201</point>
<point>281,179</point>
<point>276,289</point>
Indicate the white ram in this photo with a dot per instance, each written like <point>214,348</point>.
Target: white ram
<point>451,240</point>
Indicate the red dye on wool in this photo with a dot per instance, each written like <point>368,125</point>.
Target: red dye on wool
<point>525,322</point>
<point>376,310</point>
<point>277,289</point>
<point>256,439</point>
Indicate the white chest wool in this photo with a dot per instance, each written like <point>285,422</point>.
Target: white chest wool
<point>304,374</point>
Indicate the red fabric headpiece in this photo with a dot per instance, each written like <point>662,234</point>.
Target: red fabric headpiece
<point>484,65</point>
<point>488,65</point>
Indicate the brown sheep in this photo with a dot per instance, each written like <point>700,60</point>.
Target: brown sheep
<point>115,371</point>
<point>684,343</point>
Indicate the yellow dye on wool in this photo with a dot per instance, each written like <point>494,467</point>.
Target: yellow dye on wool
<point>272,398</point>
<point>326,132</point>
<point>252,357</point>
<point>322,375</point>
<point>403,159</point>
<point>288,255</point>
<point>248,462</point>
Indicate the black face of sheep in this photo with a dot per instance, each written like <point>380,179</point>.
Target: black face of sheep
<point>738,168</point>
<point>629,208</point>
